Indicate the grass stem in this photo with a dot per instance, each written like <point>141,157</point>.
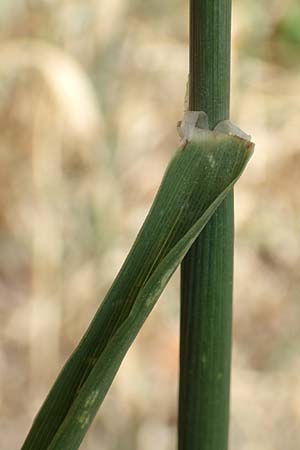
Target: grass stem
<point>207,270</point>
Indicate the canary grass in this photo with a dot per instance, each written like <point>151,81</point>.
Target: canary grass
<point>199,177</point>
<point>207,271</point>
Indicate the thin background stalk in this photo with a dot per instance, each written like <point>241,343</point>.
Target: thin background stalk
<point>207,271</point>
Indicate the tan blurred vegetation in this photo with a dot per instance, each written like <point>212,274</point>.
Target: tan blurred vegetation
<point>90,94</point>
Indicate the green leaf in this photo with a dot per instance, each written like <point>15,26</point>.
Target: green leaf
<point>195,183</point>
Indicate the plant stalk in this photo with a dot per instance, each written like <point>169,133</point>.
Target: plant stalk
<point>207,270</point>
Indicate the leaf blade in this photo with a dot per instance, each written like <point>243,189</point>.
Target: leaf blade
<point>196,181</point>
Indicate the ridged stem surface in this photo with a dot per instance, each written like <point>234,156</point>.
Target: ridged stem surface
<point>207,270</point>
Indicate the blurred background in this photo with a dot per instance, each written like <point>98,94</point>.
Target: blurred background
<point>90,94</point>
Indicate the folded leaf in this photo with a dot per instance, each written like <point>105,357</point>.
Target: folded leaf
<point>195,183</point>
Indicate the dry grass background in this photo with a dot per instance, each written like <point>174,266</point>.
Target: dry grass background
<point>90,93</point>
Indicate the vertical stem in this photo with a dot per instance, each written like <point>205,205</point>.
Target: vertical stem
<point>207,271</point>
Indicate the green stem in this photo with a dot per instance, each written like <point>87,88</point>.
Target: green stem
<point>207,271</point>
